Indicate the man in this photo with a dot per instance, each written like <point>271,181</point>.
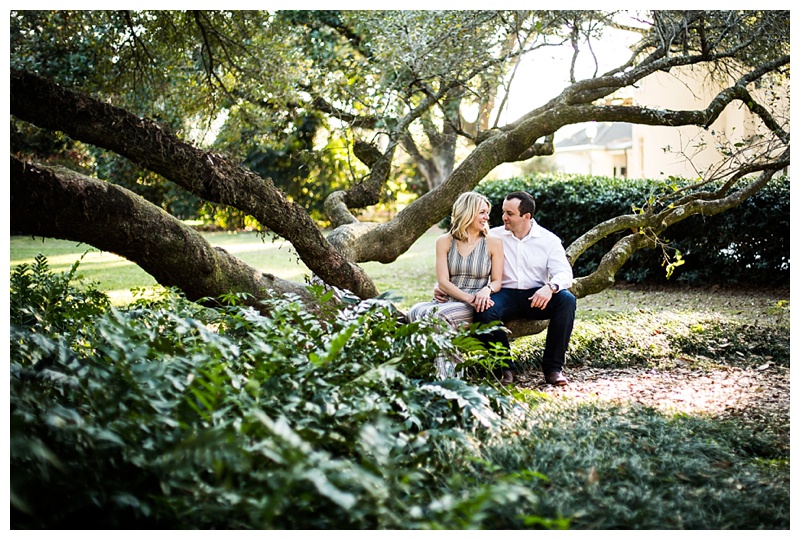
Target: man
<point>536,276</point>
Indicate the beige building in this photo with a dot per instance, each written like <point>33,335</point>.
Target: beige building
<point>596,149</point>
<point>638,151</point>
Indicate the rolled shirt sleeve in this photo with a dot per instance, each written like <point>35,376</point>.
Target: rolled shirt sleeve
<point>559,268</point>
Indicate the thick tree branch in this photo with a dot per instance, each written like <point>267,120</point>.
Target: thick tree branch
<point>59,203</point>
<point>210,176</point>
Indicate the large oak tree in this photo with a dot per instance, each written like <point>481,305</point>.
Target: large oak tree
<point>393,85</point>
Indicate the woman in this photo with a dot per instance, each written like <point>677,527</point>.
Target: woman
<point>469,268</point>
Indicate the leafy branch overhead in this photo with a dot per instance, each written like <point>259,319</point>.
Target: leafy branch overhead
<point>346,100</point>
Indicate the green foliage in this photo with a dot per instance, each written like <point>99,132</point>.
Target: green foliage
<point>747,244</point>
<point>287,150</point>
<point>216,217</point>
<point>43,301</point>
<point>55,148</point>
<point>625,466</point>
<point>167,414</point>
<point>171,415</point>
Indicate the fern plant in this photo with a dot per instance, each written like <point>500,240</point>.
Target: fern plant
<point>50,301</point>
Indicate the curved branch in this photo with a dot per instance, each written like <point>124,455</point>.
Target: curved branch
<point>368,192</point>
<point>544,148</point>
<point>59,203</point>
<point>702,117</point>
<point>603,276</point>
<point>762,112</point>
<point>207,175</point>
<point>603,230</point>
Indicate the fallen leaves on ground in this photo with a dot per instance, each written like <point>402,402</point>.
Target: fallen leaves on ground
<point>757,398</point>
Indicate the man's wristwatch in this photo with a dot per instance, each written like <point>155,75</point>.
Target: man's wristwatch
<point>553,287</point>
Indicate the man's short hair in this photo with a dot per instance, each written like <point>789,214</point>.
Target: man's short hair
<point>526,203</point>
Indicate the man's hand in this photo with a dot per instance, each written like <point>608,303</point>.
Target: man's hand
<point>541,297</point>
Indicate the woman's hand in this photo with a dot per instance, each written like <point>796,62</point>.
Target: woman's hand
<point>439,295</point>
<point>482,300</point>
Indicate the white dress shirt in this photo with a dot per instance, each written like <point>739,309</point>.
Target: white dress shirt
<point>535,260</point>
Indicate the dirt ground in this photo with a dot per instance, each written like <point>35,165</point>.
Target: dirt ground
<point>755,397</point>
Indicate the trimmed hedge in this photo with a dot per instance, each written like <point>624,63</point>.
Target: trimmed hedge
<point>748,244</point>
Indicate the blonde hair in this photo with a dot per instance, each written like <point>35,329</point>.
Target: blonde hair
<point>464,211</point>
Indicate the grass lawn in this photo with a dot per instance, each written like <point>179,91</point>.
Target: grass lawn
<point>411,276</point>
<point>117,276</point>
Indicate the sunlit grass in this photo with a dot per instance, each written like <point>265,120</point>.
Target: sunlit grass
<point>411,276</point>
<point>117,276</point>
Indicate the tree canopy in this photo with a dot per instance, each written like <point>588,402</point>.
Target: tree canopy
<point>293,117</point>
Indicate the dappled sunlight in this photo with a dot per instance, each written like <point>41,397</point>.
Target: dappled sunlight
<point>120,297</point>
<point>711,349</point>
<point>680,302</point>
<point>679,390</point>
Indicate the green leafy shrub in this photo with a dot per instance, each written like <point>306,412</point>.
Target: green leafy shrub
<point>614,466</point>
<point>168,414</point>
<point>45,300</point>
<point>747,244</point>
<point>171,415</point>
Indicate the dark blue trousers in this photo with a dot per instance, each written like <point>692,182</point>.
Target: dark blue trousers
<point>512,304</point>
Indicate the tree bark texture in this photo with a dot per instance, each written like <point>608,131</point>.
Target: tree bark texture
<point>59,203</point>
<point>208,175</point>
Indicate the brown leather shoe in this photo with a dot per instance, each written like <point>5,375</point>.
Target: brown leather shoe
<point>508,377</point>
<point>555,378</point>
